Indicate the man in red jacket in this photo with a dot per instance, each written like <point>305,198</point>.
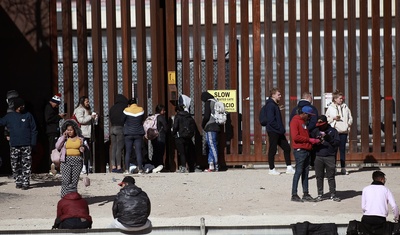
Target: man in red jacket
<point>302,145</point>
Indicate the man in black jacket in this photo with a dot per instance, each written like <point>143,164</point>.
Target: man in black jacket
<point>52,118</point>
<point>131,207</point>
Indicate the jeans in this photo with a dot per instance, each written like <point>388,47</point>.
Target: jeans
<point>131,140</point>
<point>117,144</point>
<point>211,137</point>
<point>302,158</point>
<point>342,149</point>
<point>275,140</point>
<point>327,163</point>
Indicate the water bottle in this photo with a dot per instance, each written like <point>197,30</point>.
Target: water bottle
<point>107,168</point>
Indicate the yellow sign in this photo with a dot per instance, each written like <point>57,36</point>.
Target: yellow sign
<point>228,97</point>
<point>171,78</point>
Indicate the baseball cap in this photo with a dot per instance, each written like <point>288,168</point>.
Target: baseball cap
<point>322,120</point>
<point>308,110</point>
<point>127,179</point>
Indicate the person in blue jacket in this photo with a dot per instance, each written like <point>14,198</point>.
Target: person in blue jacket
<point>23,136</point>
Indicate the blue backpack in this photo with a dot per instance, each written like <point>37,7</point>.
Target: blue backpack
<point>263,115</point>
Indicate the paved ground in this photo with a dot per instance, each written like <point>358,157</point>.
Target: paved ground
<point>235,197</point>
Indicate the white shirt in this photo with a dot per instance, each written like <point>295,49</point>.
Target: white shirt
<point>375,199</point>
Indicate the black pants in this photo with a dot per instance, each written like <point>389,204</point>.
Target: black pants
<point>275,140</point>
<point>75,223</point>
<point>327,164</point>
<point>186,152</point>
<point>158,152</point>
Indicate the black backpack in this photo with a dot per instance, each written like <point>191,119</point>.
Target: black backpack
<point>263,116</point>
<point>187,127</point>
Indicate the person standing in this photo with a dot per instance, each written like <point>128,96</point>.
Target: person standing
<point>184,144</point>
<point>325,161</point>
<point>276,133</point>
<point>307,99</point>
<point>23,136</point>
<point>375,199</point>
<point>159,142</point>
<point>339,117</point>
<point>117,132</point>
<point>302,145</point>
<point>85,118</point>
<point>131,207</point>
<point>72,146</point>
<point>211,129</point>
<point>72,213</point>
<point>133,132</point>
<point>52,118</point>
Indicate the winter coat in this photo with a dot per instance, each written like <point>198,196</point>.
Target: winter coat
<point>133,120</point>
<point>84,118</point>
<point>313,118</point>
<point>22,128</point>
<point>116,111</point>
<point>72,205</point>
<point>52,119</point>
<point>162,127</point>
<point>208,124</point>
<point>345,117</point>
<point>60,144</point>
<point>329,144</point>
<point>299,134</point>
<point>274,118</point>
<point>178,122</point>
<point>131,206</point>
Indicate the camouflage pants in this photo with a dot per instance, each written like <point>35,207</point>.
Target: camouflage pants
<point>21,163</point>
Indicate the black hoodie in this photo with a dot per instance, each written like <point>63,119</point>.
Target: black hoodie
<point>116,111</point>
<point>208,122</point>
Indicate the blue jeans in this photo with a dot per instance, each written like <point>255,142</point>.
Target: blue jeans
<point>342,149</point>
<point>211,137</point>
<point>302,158</point>
<point>131,140</point>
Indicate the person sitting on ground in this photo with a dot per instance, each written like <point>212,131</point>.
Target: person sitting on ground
<point>131,207</point>
<point>72,213</point>
<point>374,202</point>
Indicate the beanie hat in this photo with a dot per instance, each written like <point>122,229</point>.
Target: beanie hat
<point>56,98</point>
<point>18,102</point>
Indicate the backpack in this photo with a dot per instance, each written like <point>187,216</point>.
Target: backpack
<point>75,119</point>
<point>150,127</point>
<point>218,111</point>
<point>263,115</point>
<point>187,127</point>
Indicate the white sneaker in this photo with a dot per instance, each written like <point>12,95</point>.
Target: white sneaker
<point>158,169</point>
<point>274,172</point>
<point>290,170</point>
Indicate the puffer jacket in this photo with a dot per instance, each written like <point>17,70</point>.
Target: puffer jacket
<point>208,124</point>
<point>131,206</point>
<point>116,111</point>
<point>73,205</point>
<point>133,119</point>
<point>345,116</point>
<point>84,118</point>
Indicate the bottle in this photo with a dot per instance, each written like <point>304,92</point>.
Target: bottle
<point>107,168</point>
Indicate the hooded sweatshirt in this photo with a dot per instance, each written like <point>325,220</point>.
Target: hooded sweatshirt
<point>208,124</point>
<point>131,206</point>
<point>299,134</point>
<point>133,119</point>
<point>116,111</point>
<point>313,119</point>
<point>72,205</point>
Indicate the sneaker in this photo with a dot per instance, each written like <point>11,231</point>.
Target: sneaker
<point>296,198</point>
<point>274,172</point>
<point>344,172</point>
<point>182,169</point>
<point>335,199</point>
<point>319,198</point>
<point>132,168</point>
<point>290,170</point>
<point>158,169</point>
<point>307,198</point>
<point>211,166</point>
<point>208,170</point>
